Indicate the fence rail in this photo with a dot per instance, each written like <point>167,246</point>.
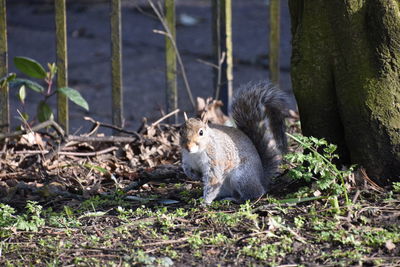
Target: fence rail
<point>222,50</point>
<point>274,40</point>
<point>222,53</point>
<point>170,59</point>
<point>116,64</point>
<point>62,62</point>
<point>4,97</point>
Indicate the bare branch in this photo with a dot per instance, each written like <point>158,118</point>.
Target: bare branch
<point>68,153</point>
<point>165,117</point>
<point>161,17</point>
<point>106,125</point>
<point>35,128</point>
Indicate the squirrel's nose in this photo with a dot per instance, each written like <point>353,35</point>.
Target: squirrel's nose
<point>193,147</point>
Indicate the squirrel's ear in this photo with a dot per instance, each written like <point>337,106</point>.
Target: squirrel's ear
<point>185,116</point>
<point>204,117</point>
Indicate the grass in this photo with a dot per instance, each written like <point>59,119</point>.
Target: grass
<point>225,233</point>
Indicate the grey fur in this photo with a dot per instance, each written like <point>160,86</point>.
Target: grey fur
<point>259,110</point>
<point>238,163</point>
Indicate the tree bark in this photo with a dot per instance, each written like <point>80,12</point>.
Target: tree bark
<point>346,78</point>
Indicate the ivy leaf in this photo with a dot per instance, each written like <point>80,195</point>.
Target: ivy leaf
<point>44,112</point>
<point>74,96</point>
<point>30,67</point>
<point>30,84</point>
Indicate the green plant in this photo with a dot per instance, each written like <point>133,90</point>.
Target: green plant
<point>218,239</point>
<point>299,221</point>
<point>396,187</point>
<point>29,221</point>
<point>145,259</point>
<point>65,218</point>
<point>316,165</point>
<point>7,217</point>
<point>170,252</point>
<point>35,70</point>
<point>196,241</point>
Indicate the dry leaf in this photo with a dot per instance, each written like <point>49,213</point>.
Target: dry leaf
<point>390,245</point>
<point>213,109</point>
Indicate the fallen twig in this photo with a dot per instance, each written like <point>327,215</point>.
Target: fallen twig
<point>165,242</point>
<point>162,172</point>
<point>2,175</point>
<point>105,139</point>
<point>35,128</point>
<point>89,154</point>
<point>164,117</point>
<point>369,181</point>
<point>106,125</point>
<point>78,154</point>
<point>254,234</point>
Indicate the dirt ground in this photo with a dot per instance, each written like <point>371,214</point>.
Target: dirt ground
<point>129,204</point>
<point>31,34</point>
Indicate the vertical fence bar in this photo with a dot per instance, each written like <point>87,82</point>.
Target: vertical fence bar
<point>116,64</point>
<point>170,59</point>
<point>216,44</point>
<point>4,94</point>
<point>222,49</point>
<point>62,62</point>
<point>274,40</point>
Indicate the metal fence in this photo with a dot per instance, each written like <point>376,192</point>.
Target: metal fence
<point>222,54</point>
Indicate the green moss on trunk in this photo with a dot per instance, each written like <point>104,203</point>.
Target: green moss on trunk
<point>346,77</point>
<point>312,72</point>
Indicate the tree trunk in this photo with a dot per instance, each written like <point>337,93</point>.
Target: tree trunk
<point>346,78</point>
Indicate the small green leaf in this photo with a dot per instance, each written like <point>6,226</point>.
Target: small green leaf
<point>52,69</point>
<point>20,127</point>
<point>22,94</point>
<point>97,168</point>
<point>44,112</point>
<point>17,83</point>
<point>68,211</point>
<point>6,79</point>
<point>30,67</point>
<point>74,96</point>
<point>25,116</point>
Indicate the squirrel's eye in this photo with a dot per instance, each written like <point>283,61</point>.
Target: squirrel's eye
<point>201,132</point>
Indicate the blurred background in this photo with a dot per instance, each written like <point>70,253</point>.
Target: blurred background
<point>31,33</point>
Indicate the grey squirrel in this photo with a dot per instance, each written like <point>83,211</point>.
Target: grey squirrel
<point>238,163</point>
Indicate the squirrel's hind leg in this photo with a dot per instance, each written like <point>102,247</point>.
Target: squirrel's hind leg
<point>247,187</point>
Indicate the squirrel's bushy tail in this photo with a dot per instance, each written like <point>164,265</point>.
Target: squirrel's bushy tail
<point>259,110</point>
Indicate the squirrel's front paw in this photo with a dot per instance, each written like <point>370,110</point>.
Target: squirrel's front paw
<point>206,203</point>
<point>210,192</point>
<point>207,200</point>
